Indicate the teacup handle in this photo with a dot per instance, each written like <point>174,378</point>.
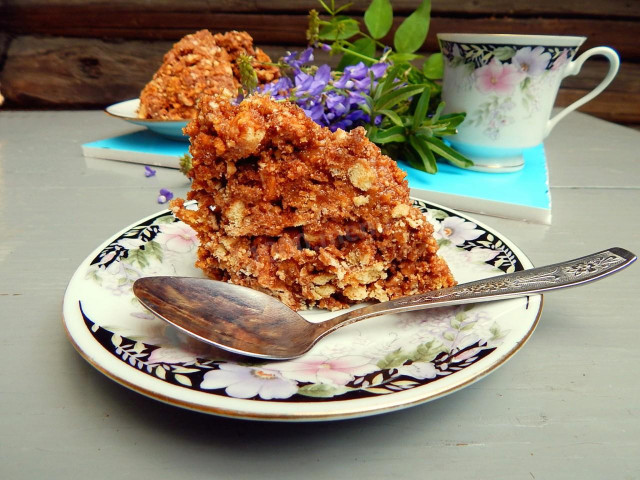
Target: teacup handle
<point>574,68</point>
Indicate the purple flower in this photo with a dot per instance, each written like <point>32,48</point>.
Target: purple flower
<point>165,195</point>
<point>312,85</point>
<point>296,61</point>
<point>331,100</point>
<point>531,61</point>
<point>279,89</point>
<point>303,82</point>
<point>343,82</point>
<point>349,120</point>
<point>356,98</point>
<point>363,84</point>
<point>358,71</point>
<point>148,171</point>
<point>378,69</point>
<point>314,112</point>
<point>337,104</point>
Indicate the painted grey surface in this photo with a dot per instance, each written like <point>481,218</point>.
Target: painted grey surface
<point>566,406</point>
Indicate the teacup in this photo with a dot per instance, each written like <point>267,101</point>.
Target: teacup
<point>507,85</point>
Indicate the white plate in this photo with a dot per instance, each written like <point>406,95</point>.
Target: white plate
<point>371,367</point>
<point>128,109</point>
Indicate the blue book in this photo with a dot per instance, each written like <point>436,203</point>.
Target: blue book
<point>522,195</point>
<point>142,146</point>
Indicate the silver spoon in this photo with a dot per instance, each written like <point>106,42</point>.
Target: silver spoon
<point>248,322</point>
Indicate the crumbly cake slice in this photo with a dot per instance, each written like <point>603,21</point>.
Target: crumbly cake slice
<point>238,43</point>
<point>200,63</point>
<point>313,217</point>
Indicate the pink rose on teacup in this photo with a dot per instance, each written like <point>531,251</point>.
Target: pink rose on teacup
<point>497,77</point>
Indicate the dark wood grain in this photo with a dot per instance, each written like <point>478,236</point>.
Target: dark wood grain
<point>289,29</point>
<point>610,8</point>
<point>92,53</point>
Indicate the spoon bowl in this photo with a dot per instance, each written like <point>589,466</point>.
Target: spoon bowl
<point>234,318</point>
<point>248,322</point>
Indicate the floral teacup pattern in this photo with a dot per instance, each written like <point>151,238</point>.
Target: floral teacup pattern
<point>513,80</point>
<point>507,86</point>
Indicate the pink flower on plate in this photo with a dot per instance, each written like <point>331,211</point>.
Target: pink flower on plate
<point>531,61</point>
<point>247,382</point>
<point>321,369</point>
<point>497,77</point>
<point>178,237</point>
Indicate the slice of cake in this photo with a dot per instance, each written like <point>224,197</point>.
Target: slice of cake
<point>312,217</point>
<point>200,63</point>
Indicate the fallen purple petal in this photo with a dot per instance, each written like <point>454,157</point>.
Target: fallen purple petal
<point>148,171</point>
<point>165,195</point>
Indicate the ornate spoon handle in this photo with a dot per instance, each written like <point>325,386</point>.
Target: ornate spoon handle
<point>535,280</point>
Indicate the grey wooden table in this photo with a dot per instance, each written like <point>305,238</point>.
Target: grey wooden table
<point>566,406</point>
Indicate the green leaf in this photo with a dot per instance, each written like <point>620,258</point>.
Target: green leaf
<point>322,390</point>
<point>393,134</point>
<point>421,107</point>
<point>398,95</point>
<point>427,351</point>
<point>378,18</point>
<point>363,46</point>
<point>410,155</point>
<point>339,28</point>
<point>154,249</point>
<point>433,67</point>
<point>412,32</point>
<point>427,158</point>
<point>504,53</point>
<point>160,372</point>
<point>449,153</point>
<point>393,116</point>
<point>378,390</point>
<point>395,72</point>
<point>453,120</point>
<point>403,57</point>
<point>183,379</point>
<point>393,360</point>
<point>449,336</point>
<point>164,219</point>
<point>137,256</point>
<point>424,132</point>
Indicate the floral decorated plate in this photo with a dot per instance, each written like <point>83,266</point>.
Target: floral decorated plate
<point>380,365</point>
<point>128,109</point>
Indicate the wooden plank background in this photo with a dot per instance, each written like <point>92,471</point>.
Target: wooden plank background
<point>91,53</point>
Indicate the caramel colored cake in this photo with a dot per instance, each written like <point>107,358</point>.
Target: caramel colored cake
<point>312,217</point>
<point>200,63</point>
